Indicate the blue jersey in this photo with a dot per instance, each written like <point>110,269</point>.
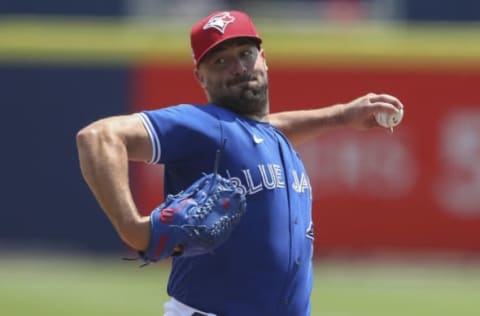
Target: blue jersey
<point>265,267</point>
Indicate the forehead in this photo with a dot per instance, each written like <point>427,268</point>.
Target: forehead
<point>232,43</point>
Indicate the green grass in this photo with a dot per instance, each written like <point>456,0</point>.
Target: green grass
<point>66,287</point>
<point>89,286</point>
<point>371,290</point>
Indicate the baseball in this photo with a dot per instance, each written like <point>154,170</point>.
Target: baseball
<point>389,120</point>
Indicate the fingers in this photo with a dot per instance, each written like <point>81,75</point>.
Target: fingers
<point>384,100</point>
<point>360,113</point>
<point>385,103</point>
<point>385,107</point>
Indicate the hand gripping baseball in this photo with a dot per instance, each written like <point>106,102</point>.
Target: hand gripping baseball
<point>197,220</point>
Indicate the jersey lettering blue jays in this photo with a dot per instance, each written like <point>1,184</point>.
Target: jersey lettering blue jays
<point>265,267</point>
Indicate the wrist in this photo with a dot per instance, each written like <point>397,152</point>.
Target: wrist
<point>136,233</point>
<point>341,117</point>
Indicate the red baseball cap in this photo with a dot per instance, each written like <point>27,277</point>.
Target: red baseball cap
<point>219,27</point>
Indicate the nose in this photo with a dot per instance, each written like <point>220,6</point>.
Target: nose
<point>239,66</point>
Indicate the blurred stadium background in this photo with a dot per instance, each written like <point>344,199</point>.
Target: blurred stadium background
<point>397,216</point>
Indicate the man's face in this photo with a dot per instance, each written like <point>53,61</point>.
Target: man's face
<point>234,75</point>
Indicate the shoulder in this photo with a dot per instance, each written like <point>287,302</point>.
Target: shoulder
<point>186,122</point>
<point>172,110</point>
<point>185,112</point>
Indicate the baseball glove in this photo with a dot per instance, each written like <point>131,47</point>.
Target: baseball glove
<point>195,221</point>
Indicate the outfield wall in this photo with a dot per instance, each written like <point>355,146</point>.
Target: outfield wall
<point>45,203</point>
<point>415,190</point>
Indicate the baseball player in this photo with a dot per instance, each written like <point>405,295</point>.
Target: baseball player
<point>265,266</point>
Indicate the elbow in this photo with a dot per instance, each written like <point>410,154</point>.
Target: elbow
<point>85,137</point>
<point>93,135</point>
<point>92,142</point>
<point>87,140</point>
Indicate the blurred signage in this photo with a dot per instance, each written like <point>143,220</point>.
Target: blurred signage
<point>457,188</point>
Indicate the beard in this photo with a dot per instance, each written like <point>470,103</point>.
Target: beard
<point>244,96</point>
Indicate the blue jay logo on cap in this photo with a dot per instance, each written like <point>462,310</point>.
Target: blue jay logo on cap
<point>219,22</point>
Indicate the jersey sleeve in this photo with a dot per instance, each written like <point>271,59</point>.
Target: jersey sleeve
<point>179,133</point>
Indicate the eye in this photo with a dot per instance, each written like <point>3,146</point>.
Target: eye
<point>247,53</point>
<point>220,61</point>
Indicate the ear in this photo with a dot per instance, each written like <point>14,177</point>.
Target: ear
<point>200,77</point>
<point>262,53</point>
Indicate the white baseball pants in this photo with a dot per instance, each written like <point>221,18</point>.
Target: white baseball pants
<point>173,307</point>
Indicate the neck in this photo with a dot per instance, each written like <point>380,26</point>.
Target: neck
<point>260,113</point>
<point>261,117</point>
